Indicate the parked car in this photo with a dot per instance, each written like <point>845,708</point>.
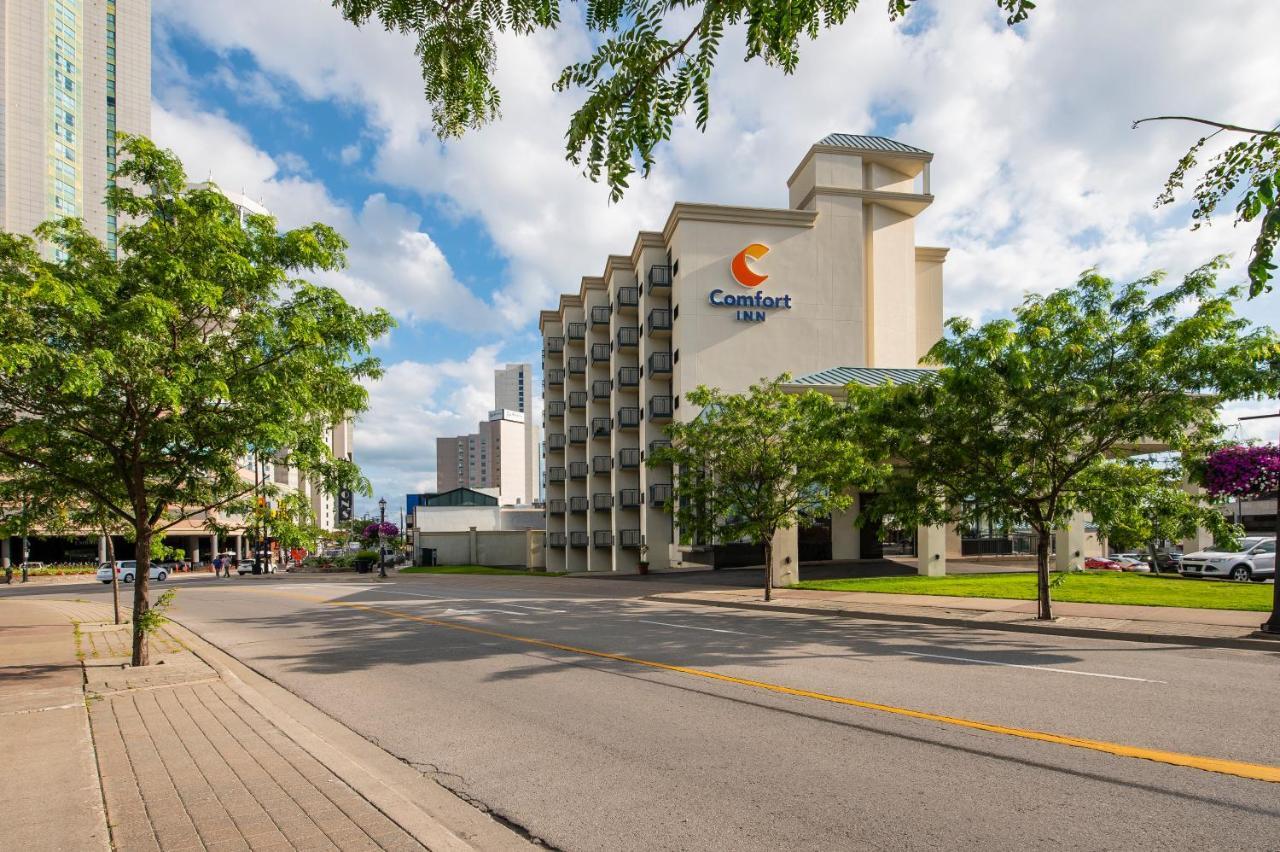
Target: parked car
<point>1255,559</point>
<point>246,567</point>
<point>127,568</point>
<point>1101,563</point>
<point>1131,562</point>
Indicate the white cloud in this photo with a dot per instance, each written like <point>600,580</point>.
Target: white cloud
<point>350,154</point>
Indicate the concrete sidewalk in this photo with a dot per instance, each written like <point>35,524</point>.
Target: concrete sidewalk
<point>185,754</point>
<point>1208,627</point>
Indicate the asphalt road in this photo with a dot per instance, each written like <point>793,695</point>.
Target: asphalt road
<point>588,752</point>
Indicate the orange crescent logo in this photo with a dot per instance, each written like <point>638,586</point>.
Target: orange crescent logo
<point>741,272</point>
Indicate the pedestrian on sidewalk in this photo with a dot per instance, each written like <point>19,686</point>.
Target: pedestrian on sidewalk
<point>217,565</point>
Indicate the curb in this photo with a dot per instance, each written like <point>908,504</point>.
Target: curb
<point>427,811</point>
<point>1243,643</point>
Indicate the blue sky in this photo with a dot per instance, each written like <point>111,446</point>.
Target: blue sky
<point>1037,173</point>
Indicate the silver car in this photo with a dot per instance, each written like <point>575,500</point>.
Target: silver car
<point>1254,560</point>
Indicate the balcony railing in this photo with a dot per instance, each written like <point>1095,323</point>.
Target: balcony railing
<point>659,362</point>
<point>629,335</point>
<point>577,399</point>
<point>601,388</point>
<point>659,320</point>
<point>579,539</point>
<point>555,408</point>
<point>629,498</point>
<point>628,418</point>
<point>628,297</point>
<point>658,443</point>
<point>555,441</point>
<point>555,539</point>
<point>555,344</point>
<point>555,474</point>
<point>601,464</point>
<point>600,353</point>
<point>577,331</point>
<point>602,501</point>
<point>659,494</point>
<point>629,458</point>
<point>628,377</point>
<point>602,538</point>
<point>578,470</point>
<point>629,538</point>
<point>556,507</point>
<point>659,276</point>
<point>601,426</point>
<point>555,377</point>
<point>577,366</point>
<point>659,408</point>
<point>577,434</point>
<point>600,315</point>
<point>578,505</point>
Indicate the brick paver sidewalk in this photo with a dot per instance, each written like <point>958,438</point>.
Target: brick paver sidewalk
<point>187,764</point>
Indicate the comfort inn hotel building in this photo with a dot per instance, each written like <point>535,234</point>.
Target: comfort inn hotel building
<point>830,287</point>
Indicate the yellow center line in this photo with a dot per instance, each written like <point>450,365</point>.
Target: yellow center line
<point>1221,766</point>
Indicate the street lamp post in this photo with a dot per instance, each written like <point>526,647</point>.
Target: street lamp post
<point>382,547</point>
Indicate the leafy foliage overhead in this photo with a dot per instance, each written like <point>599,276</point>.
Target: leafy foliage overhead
<point>650,60</point>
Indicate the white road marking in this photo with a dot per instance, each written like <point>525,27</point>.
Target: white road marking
<point>439,598</point>
<point>1036,668</point>
<point>691,627</point>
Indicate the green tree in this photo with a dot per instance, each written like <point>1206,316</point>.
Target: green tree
<point>293,523</point>
<point>1025,413</point>
<point>650,59</point>
<point>140,382</point>
<point>1249,171</point>
<point>754,463</point>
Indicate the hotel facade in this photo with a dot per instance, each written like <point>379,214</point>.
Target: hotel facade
<point>725,296</point>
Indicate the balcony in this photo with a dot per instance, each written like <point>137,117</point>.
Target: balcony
<point>600,353</point>
<point>578,505</point>
<point>658,444</point>
<point>602,501</point>
<point>555,474</point>
<point>629,458</point>
<point>629,498</point>
<point>601,388</point>
<point>628,377</point>
<point>577,399</point>
<point>600,315</point>
<point>555,408</point>
<point>577,331</point>
<point>555,345</point>
<point>659,276</point>
<point>659,363</point>
<point>628,299</point>
<point>660,494</point>
<point>629,538</point>
<point>556,507</point>
<point>659,408</point>
<point>628,418</point>
<point>601,426</point>
<point>555,377</point>
<point>555,441</point>
<point>602,538</point>
<point>660,321</point>
<point>555,539</point>
<point>578,539</point>
<point>578,470</point>
<point>577,434</point>
<point>577,366</point>
<point>628,335</point>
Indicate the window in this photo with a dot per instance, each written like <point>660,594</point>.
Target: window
<point>64,47</point>
<point>65,151</point>
<point>64,187</point>
<point>63,206</point>
<point>64,132</point>
<point>64,171</point>
<point>64,100</point>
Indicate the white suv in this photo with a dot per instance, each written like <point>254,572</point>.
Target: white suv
<point>1254,560</point>
<point>127,568</point>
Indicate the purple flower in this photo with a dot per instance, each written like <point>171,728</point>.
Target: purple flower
<point>386,529</point>
<point>1243,471</point>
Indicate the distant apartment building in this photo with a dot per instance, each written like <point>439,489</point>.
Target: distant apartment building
<point>75,73</point>
<point>494,457</point>
<point>513,391</point>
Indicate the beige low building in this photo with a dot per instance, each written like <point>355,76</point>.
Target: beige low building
<point>725,296</point>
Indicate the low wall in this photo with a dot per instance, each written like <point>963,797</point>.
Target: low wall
<point>490,548</point>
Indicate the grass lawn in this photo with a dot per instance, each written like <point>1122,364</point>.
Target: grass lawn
<point>477,569</point>
<point>1089,587</point>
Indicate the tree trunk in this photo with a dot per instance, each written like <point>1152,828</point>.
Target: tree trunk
<point>115,578</point>
<point>1044,605</point>
<point>1155,560</point>
<point>141,602</point>
<point>768,568</point>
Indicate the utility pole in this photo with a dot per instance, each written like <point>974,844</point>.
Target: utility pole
<point>1272,624</point>
<point>382,547</point>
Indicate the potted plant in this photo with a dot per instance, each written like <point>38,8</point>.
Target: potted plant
<point>644,559</point>
<point>365,560</point>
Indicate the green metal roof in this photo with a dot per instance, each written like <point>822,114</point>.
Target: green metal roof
<point>870,143</point>
<point>869,376</point>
